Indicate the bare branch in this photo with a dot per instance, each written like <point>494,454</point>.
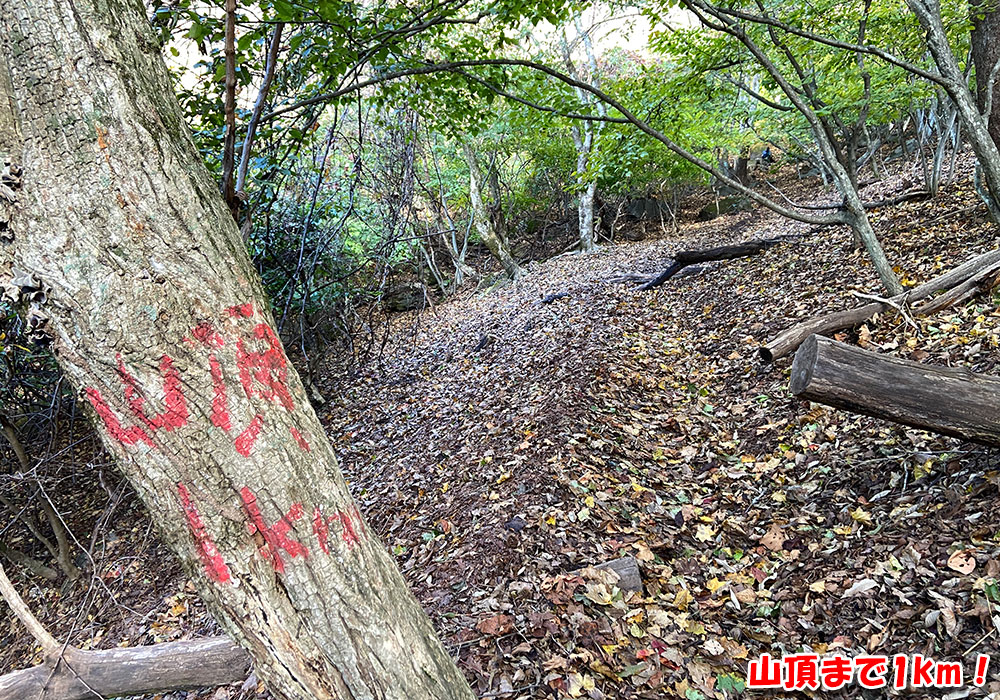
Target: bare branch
<point>48,643</point>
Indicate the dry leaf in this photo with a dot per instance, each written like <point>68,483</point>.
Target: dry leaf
<point>963,561</point>
<point>496,625</point>
<point>774,539</point>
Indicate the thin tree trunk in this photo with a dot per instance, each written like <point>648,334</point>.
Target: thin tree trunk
<point>588,242</point>
<point>483,221</point>
<point>229,142</point>
<point>270,68</point>
<point>928,13</point>
<point>61,551</point>
<point>742,171</point>
<point>158,319</point>
<point>15,443</point>
<point>585,137</point>
<point>830,150</point>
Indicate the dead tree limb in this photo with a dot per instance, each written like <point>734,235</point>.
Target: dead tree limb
<point>15,443</point>
<point>898,199</point>
<point>33,565</point>
<point>23,613</point>
<point>980,268</point>
<point>727,252</point>
<point>979,283</point>
<point>946,400</point>
<point>84,675</point>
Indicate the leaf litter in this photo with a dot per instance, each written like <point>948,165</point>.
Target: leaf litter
<point>616,423</point>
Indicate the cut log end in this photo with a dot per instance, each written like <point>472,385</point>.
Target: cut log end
<point>945,400</point>
<point>802,365</point>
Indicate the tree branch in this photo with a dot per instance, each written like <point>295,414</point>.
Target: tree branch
<point>677,149</point>
<point>258,107</point>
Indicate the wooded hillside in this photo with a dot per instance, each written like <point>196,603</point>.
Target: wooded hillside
<point>500,350</point>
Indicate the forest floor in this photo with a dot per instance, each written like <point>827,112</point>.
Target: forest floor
<point>504,446</point>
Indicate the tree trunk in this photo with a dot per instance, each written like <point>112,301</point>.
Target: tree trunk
<point>585,135</point>
<point>483,221</point>
<point>985,39</point>
<point>947,400</point>
<point>588,242</point>
<point>742,172</point>
<point>987,150</point>
<point>7,428</point>
<point>805,101</point>
<point>157,317</point>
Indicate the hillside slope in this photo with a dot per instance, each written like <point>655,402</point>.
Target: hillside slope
<point>507,444</point>
<point>504,446</point>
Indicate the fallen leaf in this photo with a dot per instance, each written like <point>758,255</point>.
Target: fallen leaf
<point>963,561</point>
<point>496,625</point>
<point>862,586</point>
<point>773,539</point>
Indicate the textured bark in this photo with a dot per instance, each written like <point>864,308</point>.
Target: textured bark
<point>985,39</point>
<point>483,221</point>
<point>588,236</point>
<point>928,13</point>
<point>110,673</point>
<point>975,269</point>
<point>947,400</point>
<point>157,317</point>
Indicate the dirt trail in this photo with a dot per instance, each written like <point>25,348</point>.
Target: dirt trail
<point>613,422</point>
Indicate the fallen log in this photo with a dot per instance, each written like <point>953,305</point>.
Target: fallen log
<point>979,283</point>
<point>898,199</point>
<point>109,673</point>
<point>947,400</point>
<point>684,258</point>
<point>553,297</point>
<point>786,342</point>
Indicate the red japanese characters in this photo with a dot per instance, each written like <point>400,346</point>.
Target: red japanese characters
<point>247,370</point>
<point>215,566</point>
<point>276,541</point>
<point>810,671</point>
<point>261,369</point>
